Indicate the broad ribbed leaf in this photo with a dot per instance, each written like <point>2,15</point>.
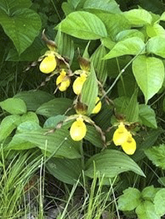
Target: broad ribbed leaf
<point>64,169</point>
<point>138,17</point>
<point>58,144</point>
<point>34,99</point>
<point>157,155</point>
<point>156,46</point>
<point>130,46</point>
<point>149,75</point>
<point>90,90</point>
<point>12,5</point>
<point>83,25</point>
<point>146,210</point>
<point>8,124</point>
<point>110,163</point>
<point>54,107</point>
<point>94,137</point>
<point>129,200</point>
<point>147,116</point>
<point>106,5</point>
<point>22,26</point>
<point>99,64</point>
<point>14,106</point>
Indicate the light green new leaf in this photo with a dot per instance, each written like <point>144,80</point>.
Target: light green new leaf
<point>155,30</point>
<point>138,17</point>
<point>147,116</point>
<point>22,26</point>
<point>162,17</point>
<point>54,107</point>
<point>130,46</point>
<point>157,155</point>
<point>159,202</point>
<point>106,5</point>
<point>64,169</point>
<point>14,106</point>
<point>83,25</point>
<point>8,124</point>
<point>129,200</point>
<point>149,193</point>
<point>110,163</point>
<point>129,34</point>
<point>58,143</point>
<point>146,210</point>
<point>149,75</point>
<point>99,64</point>
<point>156,46</point>
<point>34,99</point>
<point>90,90</point>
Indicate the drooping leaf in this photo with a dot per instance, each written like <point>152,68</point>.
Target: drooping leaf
<point>129,200</point>
<point>58,144</point>
<point>8,124</point>
<point>138,17</point>
<point>54,107</point>
<point>83,25</point>
<point>108,5</point>
<point>99,64</point>
<point>146,210</point>
<point>22,26</point>
<point>130,46</point>
<point>34,99</point>
<point>157,155</point>
<point>159,202</point>
<point>147,116</point>
<point>64,169</point>
<point>90,90</point>
<point>156,46</point>
<point>149,74</point>
<point>14,106</point>
<point>110,163</point>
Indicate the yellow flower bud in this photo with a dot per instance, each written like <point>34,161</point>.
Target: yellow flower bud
<point>63,81</point>
<point>97,107</point>
<point>78,83</point>
<point>78,130</point>
<point>120,135</point>
<point>129,146</point>
<point>48,64</point>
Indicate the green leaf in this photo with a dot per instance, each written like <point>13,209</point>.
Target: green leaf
<point>83,25</point>
<point>54,107</point>
<point>58,143</point>
<point>64,169</point>
<point>157,155</point>
<point>8,124</point>
<point>14,106</point>
<point>100,65</point>
<point>28,126</point>
<point>155,30</point>
<point>34,99</point>
<point>129,200</point>
<point>108,5</point>
<point>11,6</point>
<point>89,91</point>
<point>94,137</point>
<point>138,17</point>
<point>162,17</point>
<point>146,210</point>
<point>51,122</point>
<point>129,34</point>
<point>148,193</point>
<point>110,163</point>
<point>147,116</point>
<point>159,202</point>
<point>130,46</point>
<point>149,75</point>
<point>156,46</point>
<point>22,26</point>
<point>30,116</point>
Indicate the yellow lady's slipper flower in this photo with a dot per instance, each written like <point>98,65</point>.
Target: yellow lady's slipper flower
<point>78,130</point>
<point>63,81</point>
<point>120,135</point>
<point>48,64</point>
<point>78,83</point>
<point>129,146</point>
<point>97,107</point>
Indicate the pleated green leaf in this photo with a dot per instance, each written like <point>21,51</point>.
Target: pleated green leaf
<point>94,137</point>
<point>110,163</point>
<point>83,25</point>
